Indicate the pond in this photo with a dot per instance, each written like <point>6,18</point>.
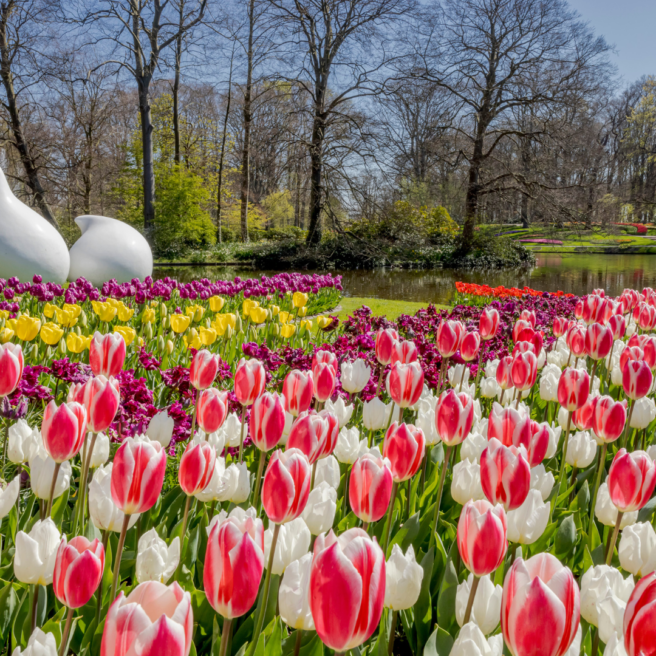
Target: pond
<point>575,274</point>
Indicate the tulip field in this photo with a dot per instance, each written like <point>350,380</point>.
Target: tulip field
<point>227,469</point>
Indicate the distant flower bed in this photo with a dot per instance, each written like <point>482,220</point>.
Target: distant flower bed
<point>640,227</point>
<point>471,289</point>
<point>556,242</point>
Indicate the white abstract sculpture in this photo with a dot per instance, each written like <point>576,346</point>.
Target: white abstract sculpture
<point>108,249</point>
<point>29,245</point>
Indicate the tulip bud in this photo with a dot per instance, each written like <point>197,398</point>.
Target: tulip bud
<point>298,390</point>
<point>196,466</point>
<point>342,411</point>
<point>606,511</point>
<point>21,440</point>
<point>101,398</point>
<point>631,480</point>
<point>640,618</point>
<point>160,428</point>
<point>454,416</point>
<point>482,537</point>
<point>486,609</point>
<point>637,379</point>
<point>319,513</point>
<point>42,470</point>
<point>293,542</point>
<point>403,579</point>
<point>370,487</point>
<point>488,324</point>
<point>286,485</point>
<point>573,389</point>
<point>466,482</point>
<point>39,644</point>
<point>293,596</point>
<point>79,567</point>
<point>203,369</point>
<point>267,421</point>
<point>637,550</point>
<point>105,515</point>
<point>107,354</point>
<point>472,642</point>
<point>608,418</point>
<point>505,475</point>
<point>63,430</point>
<point>405,383</point>
<point>155,560</point>
<point>404,351</point>
<point>355,376</point>
<point>36,552</point>
<point>250,379</point>
<point>385,340</point>
<point>599,582</point>
<point>527,523</point>
<point>376,414</point>
<point>449,334</point>
<point>404,447</point>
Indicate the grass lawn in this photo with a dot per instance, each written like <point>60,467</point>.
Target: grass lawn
<point>380,306</point>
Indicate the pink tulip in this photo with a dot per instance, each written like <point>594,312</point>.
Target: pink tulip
<point>325,379</point>
<point>578,309</point>
<point>504,372</point>
<point>298,390</point>
<point>267,421</point>
<point>211,409</point>
<point>598,341</point>
<point>63,430</point>
<point>631,480</point>
<point>153,620</point>
<point>79,567</point>
<point>370,487</point>
<point>449,335</point>
<point>314,434</point>
<point>511,427</point>
<point>592,308</point>
<point>469,346</point>
<point>404,351</point>
<point>138,475</point>
<point>637,379</point>
<point>347,588</point>
<point>640,618</point>
<point>196,467</point>
<point>528,315</point>
<point>505,475</point>
<point>454,416</point>
<point>405,383</point>
<point>582,418</point>
<point>481,537</point>
<point>488,324</point>
<point>617,324</point>
<point>404,447</point>
<point>540,607</point>
<point>106,354</point>
<point>524,371</point>
<point>286,486</point>
<point>560,326</point>
<point>385,340</point>
<point>631,353</point>
<point>101,398</point>
<point>203,368</point>
<point>575,339</point>
<point>522,347</point>
<point>234,562</point>
<point>573,389</point>
<point>608,418</point>
<point>325,357</point>
<point>645,316</point>
<point>11,367</point>
<point>250,379</point>
<point>647,344</point>
<point>523,331</point>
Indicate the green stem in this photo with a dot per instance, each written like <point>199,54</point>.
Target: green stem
<point>225,637</point>
<point>67,630</point>
<point>436,516</point>
<point>258,480</point>
<point>390,517</point>
<point>35,605</point>
<point>119,555</point>
<point>105,540</point>
<point>55,474</point>
<point>610,548</point>
<point>600,469</point>
<point>390,644</point>
<point>470,601</point>
<point>626,428</point>
<point>297,643</point>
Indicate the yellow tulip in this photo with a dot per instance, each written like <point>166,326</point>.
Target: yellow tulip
<point>180,323</point>
<point>5,335</point>
<point>51,333</point>
<point>323,321</point>
<point>288,330</point>
<point>302,311</point>
<point>275,310</point>
<point>283,317</point>
<point>114,302</point>
<point>196,312</point>
<point>105,311</point>
<point>65,318</point>
<point>73,308</point>
<point>216,303</point>
<point>193,340</point>
<point>140,342</point>
<point>207,336</point>
<point>27,328</point>
<point>125,313</point>
<point>299,299</point>
<point>258,315</point>
<point>77,343</point>
<point>231,319</point>
<point>148,316</point>
<point>219,324</point>
<point>169,346</point>
<point>127,333</point>
<point>306,324</point>
<point>49,310</point>
<point>248,305</point>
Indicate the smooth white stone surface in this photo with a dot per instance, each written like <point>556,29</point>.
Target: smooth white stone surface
<point>29,245</point>
<point>108,249</point>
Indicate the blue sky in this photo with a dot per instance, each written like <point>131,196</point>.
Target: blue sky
<point>629,26</point>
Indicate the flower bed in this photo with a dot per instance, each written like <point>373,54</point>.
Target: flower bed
<point>309,485</point>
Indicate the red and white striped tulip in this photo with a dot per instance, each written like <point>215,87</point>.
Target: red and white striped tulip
<point>575,339</point>
<point>505,475</point>
<point>370,487</point>
<point>314,434</point>
<point>637,379</point>
<point>528,315</point>
<point>582,418</point>
<point>152,620</point>
<point>404,351</point>
<point>11,367</point>
<point>101,398</point>
<point>138,475</point>
<point>538,443</point>
<point>648,345</point>
<point>298,390</point>
<point>608,418</point>
<point>347,588</point>
<point>454,416</point>
<point>405,383</point>
<point>469,346</point>
<point>481,537</point>
<point>617,324</point>
<point>640,618</point>
<point>234,562</point>
<point>267,421</point>
<point>523,331</point>
<point>63,429</point>
<point>560,326</point>
<point>196,467</point>
<point>250,379</point>
<point>385,340</point>
<point>573,389</point>
<point>524,371</point>
<point>598,341</point>
<point>631,480</point>
<point>325,357</point>
<point>488,324</point>
<point>286,485</point>
<point>203,369</point>
<point>211,409</point>
<point>404,447</point>
<point>106,354</point>
<point>631,353</point>
<point>511,427</point>
<point>325,379</point>
<point>79,567</point>
<point>449,335</point>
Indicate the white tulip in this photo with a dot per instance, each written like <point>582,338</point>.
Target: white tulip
<point>644,412</point>
<point>355,376</point>
<point>611,617</point>
<point>349,447</point>
<point>235,483</point>
<point>211,492</point>
<point>42,469</point>
<point>8,496</point>
<point>160,428</point>
<point>472,642</point>
<point>480,427</point>
<point>486,610</point>
<point>105,515</point>
<point>342,411</point>
<point>637,550</point>
<point>527,523</point>
<point>427,402</point>
<point>606,511</point>
<point>294,594</point>
<point>217,441</point>
<point>618,347</point>
<point>616,375</point>
<point>22,439</point>
<point>549,383</point>
<point>231,430</point>
<point>36,552</point>
<point>473,446</point>
<point>651,451</point>
<point>615,646</point>
<point>376,414</point>
<point>426,422</point>
<point>466,482</point>
<point>581,449</point>
<point>39,644</point>
<point>491,367</point>
<point>238,513</point>
<point>155,560</point>
<point>542,359</point>
<point>100,453</point>
<point>596,584</point>
<point>542,481</point>
<point>457,373</point>
<point>293,542</point>
<point>631,327</point>
<point>319,513</point>
<point>489,388</point>
<point>328,471</point>
<point>403,576</point>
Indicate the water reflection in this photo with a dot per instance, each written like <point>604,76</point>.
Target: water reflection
<point>576,274</point>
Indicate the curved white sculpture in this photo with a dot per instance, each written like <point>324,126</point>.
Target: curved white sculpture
<point>108,249</point>
<point>29,245</point>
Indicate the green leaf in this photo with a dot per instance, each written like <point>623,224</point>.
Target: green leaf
<point>8,608</point>
<point>59,506</point>
<point>439,643</point>
<point>273,645</point>
<point>647,511</point>
<point>583,497</point>
<point>407,532</point>
<point>55,624</point>
<point>565,536</point>
<point>423,609</point>
<point>311,644</point>
<point>446,604</point>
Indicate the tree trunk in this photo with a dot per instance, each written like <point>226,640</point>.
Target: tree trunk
<point>176,86</point>
<point>219,225</point>
<point>148,165</point>
<point>316,180</point>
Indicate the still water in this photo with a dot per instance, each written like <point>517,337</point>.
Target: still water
<point>575,274</point>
